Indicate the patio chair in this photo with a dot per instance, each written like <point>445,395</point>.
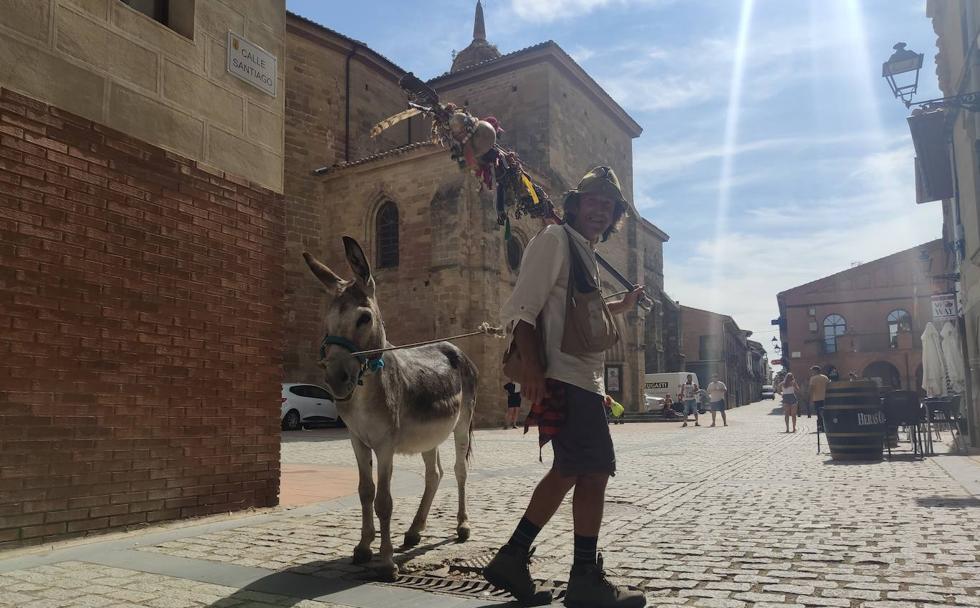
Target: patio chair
<point>902,409</point>
<point>944,414</point>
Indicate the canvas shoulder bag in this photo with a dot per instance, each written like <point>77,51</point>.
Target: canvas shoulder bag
<point>514,362</point>
<point>589,325</point>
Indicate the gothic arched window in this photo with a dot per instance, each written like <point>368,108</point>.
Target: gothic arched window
<point>515,251</point>
<point>386,232</point>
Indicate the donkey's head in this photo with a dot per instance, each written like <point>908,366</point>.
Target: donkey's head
<point>353,321</point>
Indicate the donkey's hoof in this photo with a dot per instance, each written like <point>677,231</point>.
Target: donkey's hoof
<point>412,538</point>
<point>463,533</point>
<point>387,572</point>
<point>362,555</point>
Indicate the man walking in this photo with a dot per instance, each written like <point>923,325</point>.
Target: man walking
<point>566,392</point>
<point>716,394</point>
<point>689,394</point>
<point>818,393</point>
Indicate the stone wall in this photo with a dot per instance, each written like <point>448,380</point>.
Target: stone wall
<point>451,276</point>
<point>141,322</point>
<point>316,136</point>
<point>104,61</point>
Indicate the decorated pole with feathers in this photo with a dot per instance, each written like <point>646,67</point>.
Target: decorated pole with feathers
<point>473,145</point>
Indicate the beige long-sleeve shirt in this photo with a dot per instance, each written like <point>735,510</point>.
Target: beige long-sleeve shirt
<point>542,285</point>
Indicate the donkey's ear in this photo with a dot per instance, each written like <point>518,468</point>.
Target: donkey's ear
<point>329,279</point>
<point>359,265</point>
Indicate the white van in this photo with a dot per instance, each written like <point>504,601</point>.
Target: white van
<point>658,386</point>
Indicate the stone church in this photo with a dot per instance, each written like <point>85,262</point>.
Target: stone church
<point>440,260</point>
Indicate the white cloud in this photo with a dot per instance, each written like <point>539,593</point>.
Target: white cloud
<point>553,10</point>
<point>739,273</point>
<point>582,54</point>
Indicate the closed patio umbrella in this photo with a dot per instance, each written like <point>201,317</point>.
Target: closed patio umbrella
<point>933,366</point>
<point>953,358</point>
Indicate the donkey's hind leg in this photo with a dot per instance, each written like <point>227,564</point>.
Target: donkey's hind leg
<point>464,445</point>
<point>433,475</point>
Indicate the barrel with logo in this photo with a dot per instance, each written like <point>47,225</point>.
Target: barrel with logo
<point>854,421</point>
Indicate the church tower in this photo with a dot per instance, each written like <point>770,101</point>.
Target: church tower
<point>479,50</point>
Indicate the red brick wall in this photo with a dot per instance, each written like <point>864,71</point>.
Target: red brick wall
<point>864,296</point>
<point>141,320</point>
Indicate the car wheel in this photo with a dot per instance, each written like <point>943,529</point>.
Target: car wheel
<point>291,421</point>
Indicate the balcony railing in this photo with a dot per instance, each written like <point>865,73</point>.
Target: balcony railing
<point>857,342</point>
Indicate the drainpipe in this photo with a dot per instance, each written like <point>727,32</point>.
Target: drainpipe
<point>958,244</point>
<point>350,55</point>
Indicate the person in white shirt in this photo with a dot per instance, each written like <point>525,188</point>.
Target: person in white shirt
<point>566,392</point>
<point>716,395</point>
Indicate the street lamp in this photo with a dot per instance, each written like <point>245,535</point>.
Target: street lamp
<point>902,73</point>
<point>902,63</point>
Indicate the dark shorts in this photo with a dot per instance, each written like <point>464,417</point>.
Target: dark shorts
<point>717,406</point>
<point>513,404</point>
<point>790,400</point>
<point>583,444</point>
<point>818,405</point>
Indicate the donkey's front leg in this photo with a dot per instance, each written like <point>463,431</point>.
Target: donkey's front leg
<point>388,571</point>
<point>365,490</point>
<point>433,475</point>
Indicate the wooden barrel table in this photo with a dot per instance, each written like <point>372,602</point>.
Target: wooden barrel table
<point>854,421</point>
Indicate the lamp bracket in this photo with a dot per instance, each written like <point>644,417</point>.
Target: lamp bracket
<point>966,101</point>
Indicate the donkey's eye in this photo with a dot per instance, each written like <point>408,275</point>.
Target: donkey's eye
<point>364,319</point>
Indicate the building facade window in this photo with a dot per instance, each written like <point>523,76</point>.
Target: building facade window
<point>833,326</point>
<point>899,321</point>
<point>386,231</point>
<point>515,251</point>
<point>178,16</point>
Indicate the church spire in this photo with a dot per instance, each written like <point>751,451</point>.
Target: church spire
<point>479,51</point>
<point>479,28</point>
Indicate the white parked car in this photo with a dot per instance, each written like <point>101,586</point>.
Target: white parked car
<point>306,404</point>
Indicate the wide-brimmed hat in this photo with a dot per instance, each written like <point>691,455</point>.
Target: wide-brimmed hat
<point>814,368</point>
<point>603,181</point>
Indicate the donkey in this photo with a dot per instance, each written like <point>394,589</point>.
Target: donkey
<point>405,401</point>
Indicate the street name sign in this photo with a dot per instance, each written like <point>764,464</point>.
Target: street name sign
<point>251,63</point>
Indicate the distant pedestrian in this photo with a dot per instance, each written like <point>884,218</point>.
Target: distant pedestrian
<point>818,393</point>
<point>668,407</point>
<point>689,394</point>
<point>717,391</point>
<point>791,400</point>
<point>513,404</point>
<point>852,376</point>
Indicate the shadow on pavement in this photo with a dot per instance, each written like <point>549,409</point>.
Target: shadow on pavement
<point>315,579</point>
<point>295,584</point>
<point>949,502</point>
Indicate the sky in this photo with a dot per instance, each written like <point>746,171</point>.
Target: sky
<point>773,153</point>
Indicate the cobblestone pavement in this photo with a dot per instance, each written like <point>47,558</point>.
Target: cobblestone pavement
<point>737,516</point>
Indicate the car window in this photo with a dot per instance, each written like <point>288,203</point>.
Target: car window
<point>300,391</point>
<point>318,393</point>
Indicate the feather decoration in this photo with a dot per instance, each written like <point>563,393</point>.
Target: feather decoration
<point>394,120</point>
